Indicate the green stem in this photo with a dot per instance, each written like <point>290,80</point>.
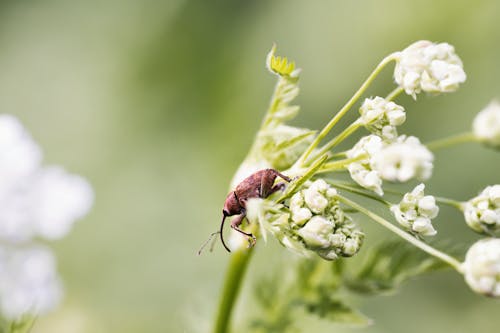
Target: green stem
<point>450,202</point>
<point>406,236</point>
<point>452,140</point>
<point>346,107</point>
<point>395,93</point>
<point>234,277</point>
<point>339,165</point>
<point>360,192</point>
<point>339,138</point>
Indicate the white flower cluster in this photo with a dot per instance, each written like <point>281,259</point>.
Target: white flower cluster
<point>399,161</point>
<point>321,224</point>
<point>381,117</point>
<point>482,267</point>
<point>486,125</point>
<point>482,213</point>
<point>415,212</point>
<point>35,201</point>
<point>404,159</point>
<point>430,67</point>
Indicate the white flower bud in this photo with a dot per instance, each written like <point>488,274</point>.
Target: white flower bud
<point>486,125</point>
<point>316,232</point>
<point>482,267</point>
<point>381,117</point>
<point>415,212</point>
<point>403,160</point>
<point>482,213</point>
<point>430,67</point>
<point>315,200</point>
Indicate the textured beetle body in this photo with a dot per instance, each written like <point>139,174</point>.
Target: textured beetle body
<point>258,185</point>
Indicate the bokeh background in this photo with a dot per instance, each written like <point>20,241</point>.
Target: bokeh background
<point>157,102</point>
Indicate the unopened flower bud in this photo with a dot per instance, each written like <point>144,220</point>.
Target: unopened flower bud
<point>481,267</point>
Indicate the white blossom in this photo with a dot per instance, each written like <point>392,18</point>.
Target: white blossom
<point>482,213</point>
<point>403,160</point>
<point>35,201</point>
<point>28,281</point>
<point>362,171</point>
<point>482,267</point>
<point>486,124</point>
<point>381,117</point>
<point>430,67</point>
<point>415,212</point>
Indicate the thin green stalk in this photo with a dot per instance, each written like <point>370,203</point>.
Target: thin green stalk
<point>450,202</point>
<point>340,164</point>
<point>346,107</point>
<point>406,236</point>
<point>360,192</point>
<point>339,138</point>
<point>452,140</point>
<point>234,277</point>
<point>395,93</point>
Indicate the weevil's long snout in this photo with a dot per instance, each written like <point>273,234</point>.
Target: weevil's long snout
<point>224,215</point>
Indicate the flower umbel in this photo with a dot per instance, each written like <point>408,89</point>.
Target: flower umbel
<point>429,67</point>
<point>482,213</point>
<point>381,117</point>
<point>482,267</point>
<point>404,159</point>
<point>415,212</point>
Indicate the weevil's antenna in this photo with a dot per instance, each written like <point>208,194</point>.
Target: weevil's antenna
<point>220,231</point>
<point>207,241</point>
<point>212,235</point>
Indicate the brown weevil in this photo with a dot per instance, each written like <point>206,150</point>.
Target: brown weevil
<point>258,185</point>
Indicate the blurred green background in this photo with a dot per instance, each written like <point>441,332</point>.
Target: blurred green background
<point>157,102</point>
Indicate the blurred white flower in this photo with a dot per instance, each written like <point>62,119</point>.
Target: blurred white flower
<point>430,67</point>
<point>415,212</point>
<point>381,117</point>
<point>482,213</point>
<point>403,160</point>
<point>20,156</point>
<point>28,281</point>
<point>482,267</point>
<point>362,171</point>
<point>59,199</point>
<point>486,124</point>
<point>35,201</point>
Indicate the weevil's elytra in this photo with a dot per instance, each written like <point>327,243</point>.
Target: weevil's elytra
<point>258,185</point>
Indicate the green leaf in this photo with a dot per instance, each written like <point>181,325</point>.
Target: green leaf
<point>333,309</point>
<point>390,264</point>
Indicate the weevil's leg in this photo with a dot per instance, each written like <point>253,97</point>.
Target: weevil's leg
<point>277,187</point>
<point>236,222</point>
<point>288,179</point>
